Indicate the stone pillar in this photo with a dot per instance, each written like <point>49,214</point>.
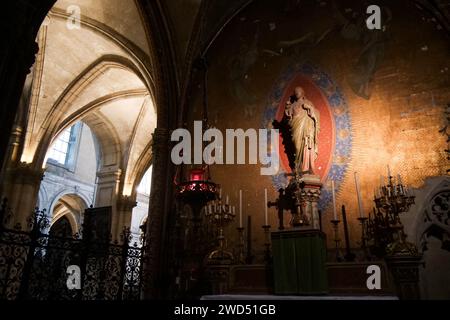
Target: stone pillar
<point>107,188</point>
<point>14,148</point>
<point>155,222</point>
<point>11,157</point>
<point>21,188</point>
<point>308,197</point>
<point>19,28</point>
<point>107,195</point>
<point>122,216</point>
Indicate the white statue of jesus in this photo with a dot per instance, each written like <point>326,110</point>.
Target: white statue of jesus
<point>304,120</point>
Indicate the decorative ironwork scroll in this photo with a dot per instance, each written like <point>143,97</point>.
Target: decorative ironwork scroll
<point>33,265</point>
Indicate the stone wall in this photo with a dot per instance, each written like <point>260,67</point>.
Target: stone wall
<point>59,181</point>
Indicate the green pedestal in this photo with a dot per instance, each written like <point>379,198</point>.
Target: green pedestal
<point>299,258</point>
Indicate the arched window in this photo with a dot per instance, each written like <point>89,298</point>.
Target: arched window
<point>145,185</point>
<point>140,212</point>
<point>63,149</point>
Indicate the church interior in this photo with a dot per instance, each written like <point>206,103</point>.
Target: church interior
<point>135,133</point>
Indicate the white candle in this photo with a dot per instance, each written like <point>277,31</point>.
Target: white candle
<point>228,200</point>
<point>358,194</point>
<point>399,178</point>
<point>334,200</point>
<point>265,208</point>
<point>240,208</point>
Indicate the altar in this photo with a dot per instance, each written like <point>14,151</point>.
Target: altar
<point>299,258</point>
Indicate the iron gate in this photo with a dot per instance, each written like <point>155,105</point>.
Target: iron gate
<point>34,264</point>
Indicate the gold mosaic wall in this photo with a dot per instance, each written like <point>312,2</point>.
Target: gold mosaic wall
<point>397,126</point>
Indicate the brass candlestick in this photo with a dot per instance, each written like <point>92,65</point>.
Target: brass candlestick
<point>336,240</point>
<point>267,253</point>
<point>362,221</point>
<point>220,215</point>
<point>349,255</point>
<point>241,244</point>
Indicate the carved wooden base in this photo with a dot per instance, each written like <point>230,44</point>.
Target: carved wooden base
<point>299,262</point>
<point>405,273</point>
<point>218,276</point>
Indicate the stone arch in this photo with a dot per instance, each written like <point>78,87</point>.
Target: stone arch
<point>107,141</point>
<point>142,65</point>
<point>97,104</point>
<point>42,198</point>
<point>55,120</point>
<point>143,164</point>
<point>62,227</point>
<point>427,225</point>
<point>415,220</point>
<point>64,204</point>
<point>436,218</point>
<point>129,162</point>
<point>66,192</point>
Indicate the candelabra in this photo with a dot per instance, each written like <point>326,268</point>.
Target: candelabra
<point>336,240</point>
<point>393,198</point>
<point>220,215</point>
<point>384,230</point>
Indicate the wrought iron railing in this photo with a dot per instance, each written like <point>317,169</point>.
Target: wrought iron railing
<point>34,264</point>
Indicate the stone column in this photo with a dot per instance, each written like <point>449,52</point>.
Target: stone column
<point>107,194</point>
<point>21,188</point>
<point>19,29</point>
<point>11,157</point>
<point>14,148</point>
<point>107,188</point>
<point>155,222</point>
<point>122,217</point>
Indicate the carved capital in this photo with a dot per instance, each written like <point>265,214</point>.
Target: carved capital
<point>25,173</point>
<point>109,175</point>
<point>125,203</point>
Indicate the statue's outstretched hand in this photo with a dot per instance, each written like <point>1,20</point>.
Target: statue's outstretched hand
<point>288,109</point>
